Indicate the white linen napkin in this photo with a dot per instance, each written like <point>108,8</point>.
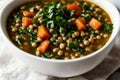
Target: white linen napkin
<point>13,69</point>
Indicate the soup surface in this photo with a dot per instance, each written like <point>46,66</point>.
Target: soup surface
<point>61,29</point>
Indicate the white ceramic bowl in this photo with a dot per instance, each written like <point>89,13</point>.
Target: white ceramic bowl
<point>116,3</point>
<point>61,68</point>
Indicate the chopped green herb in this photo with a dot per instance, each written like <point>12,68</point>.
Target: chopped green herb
<point>108,28</point>
<point>35,21</point>
<point>91,30</point>
<point>18,41</point>
<point>59,57</point>
<point>86,16</point>
<point>89,8</point>
<point>23,31</point>
<point>73,45</point>
<point>72,12</point>
<point>47,55</point>
<point>50,24</point>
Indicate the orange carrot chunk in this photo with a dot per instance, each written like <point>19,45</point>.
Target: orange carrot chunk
<point>95,24</point>
<point>43,47</point>
<point>74,7</point>
<point>26,47</point>
<point>82,19</point>
<point>26,21</point>
<point>80,24</point>
<point>28,13</point>
<point>43,32</point>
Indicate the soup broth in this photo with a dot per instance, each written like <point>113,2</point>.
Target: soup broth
<point>59,29</point>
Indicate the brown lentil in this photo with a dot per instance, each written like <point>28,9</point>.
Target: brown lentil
<point>55,50</point>
<point>62,45</point>
<point>60,52</point>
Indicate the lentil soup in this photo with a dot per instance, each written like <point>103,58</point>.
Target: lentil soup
<point>59,29</point>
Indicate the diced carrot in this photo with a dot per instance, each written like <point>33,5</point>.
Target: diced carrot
<point>82,19</point>
<point>95,24</point>
<point>27,21</point>
<point>26,47</point>
<point>28,13</point>
<point>80,24</point>
<point>43,47</point>
<point>43,32</point>
<point>74,7</point>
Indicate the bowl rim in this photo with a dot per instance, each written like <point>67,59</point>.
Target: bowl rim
<point>70,60</point>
